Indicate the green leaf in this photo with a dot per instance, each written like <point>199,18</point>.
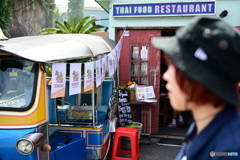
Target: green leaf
<point>61,26</point>
<point>81,27</point>
<point>74,24</point>
<point>93,29</point>
<point>81,24</point>
<point>61,32</point>
<point>47,33</point>
<point>49,30</point>
<point>69,30</point>
<point>90,30</point>
<point>87,25</point>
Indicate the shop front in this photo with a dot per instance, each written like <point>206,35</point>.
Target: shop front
<point>140,61</point>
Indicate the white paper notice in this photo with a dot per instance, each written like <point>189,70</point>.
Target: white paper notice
<point>98,72</point>
<point>88,76</point>
<point>145,92</point>
<point>104,65</point>
<point>110,65</point>
<point>114,56</point>
<point>75,78</point>
<point>149,92</point>
<point>117,51</point>
<point>120,43</point>
<point>58,80</point>
<point>144,53</point>
<point>119,47</point>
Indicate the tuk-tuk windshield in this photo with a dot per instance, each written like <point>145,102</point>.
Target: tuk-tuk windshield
<point>16,83</point>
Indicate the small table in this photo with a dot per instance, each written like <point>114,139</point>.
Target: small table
<point>139,105</point>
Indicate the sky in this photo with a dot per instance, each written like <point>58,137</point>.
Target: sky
<point>89,3</point>
<point>62,4</point>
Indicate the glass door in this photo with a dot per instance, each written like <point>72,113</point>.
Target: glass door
<point>139,64</point>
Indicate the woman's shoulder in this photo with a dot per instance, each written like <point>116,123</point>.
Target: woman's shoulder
<point>228,136</point>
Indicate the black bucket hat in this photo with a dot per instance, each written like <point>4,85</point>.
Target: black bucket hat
<point>208,51</point>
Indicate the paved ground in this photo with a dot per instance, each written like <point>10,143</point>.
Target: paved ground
<point>150,150</point>
<point>153,151</point>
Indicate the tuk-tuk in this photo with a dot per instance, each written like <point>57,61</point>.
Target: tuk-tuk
<point>34,126</point>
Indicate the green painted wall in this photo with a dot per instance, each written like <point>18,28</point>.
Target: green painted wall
<point>232,6</point>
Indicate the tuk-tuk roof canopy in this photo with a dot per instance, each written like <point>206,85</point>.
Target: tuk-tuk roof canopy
<point>57,47</point>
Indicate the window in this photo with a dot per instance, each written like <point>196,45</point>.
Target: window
<point>139,64</point>
<point>17,79</point>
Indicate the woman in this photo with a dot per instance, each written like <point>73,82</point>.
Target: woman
<point>203,70</point>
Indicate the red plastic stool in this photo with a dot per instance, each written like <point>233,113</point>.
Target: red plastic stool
<point>131,133</point>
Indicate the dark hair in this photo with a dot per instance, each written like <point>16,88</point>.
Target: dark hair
<point>198,93</point>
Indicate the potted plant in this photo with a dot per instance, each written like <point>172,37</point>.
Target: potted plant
<point>136,125</point>
<point>131,86</point>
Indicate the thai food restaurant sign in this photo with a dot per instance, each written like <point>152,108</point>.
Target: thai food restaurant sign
<point>164,9</point>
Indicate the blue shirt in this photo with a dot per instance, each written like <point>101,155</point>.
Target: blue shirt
<point>220,138</point>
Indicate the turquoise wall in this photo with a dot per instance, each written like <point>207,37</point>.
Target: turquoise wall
<point>103,15</point>
<point>232,6</point>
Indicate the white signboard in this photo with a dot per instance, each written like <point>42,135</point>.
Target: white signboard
<point>98,72</point>
<point>144,53</point>
<point>104,66</point>
<point>145,92</point>
<point>75,78</point>
<point>89,76</point>
<point>110,64</point>
<point>115,58</point>
<point>58,80</point>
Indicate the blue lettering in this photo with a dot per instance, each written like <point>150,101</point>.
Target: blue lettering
<point>232,153</point>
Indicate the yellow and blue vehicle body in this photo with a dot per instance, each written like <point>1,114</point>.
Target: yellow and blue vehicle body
<point>30,127</point>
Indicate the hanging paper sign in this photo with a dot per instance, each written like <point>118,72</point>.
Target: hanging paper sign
<point>75,78</point>
<point>89,76</point>
<point>114,57</point>
<point>144,52</point>
<point>126,33</point>
<point>118,51</point>
<point>115,52</point>
<point>119,47</point>
<point>120,43</point>
<point>110,65</point>
<point>58,80</point>
<point>124,107</point>
<point>104,65</point>
<point>114,64</point>
<point>98,72</point>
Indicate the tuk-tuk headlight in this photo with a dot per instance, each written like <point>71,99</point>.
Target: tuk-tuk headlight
<point>25,147</point>
<point>29,142</point>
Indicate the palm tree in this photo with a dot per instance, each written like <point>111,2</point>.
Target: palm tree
<point>83,26</point>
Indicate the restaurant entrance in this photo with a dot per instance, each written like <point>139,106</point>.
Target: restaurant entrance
<point>146,70</point>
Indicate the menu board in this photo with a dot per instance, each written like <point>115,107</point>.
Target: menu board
<point>145,92</point>
<point>124,108</point>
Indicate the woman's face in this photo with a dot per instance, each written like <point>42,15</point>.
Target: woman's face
<point>176,95</point>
